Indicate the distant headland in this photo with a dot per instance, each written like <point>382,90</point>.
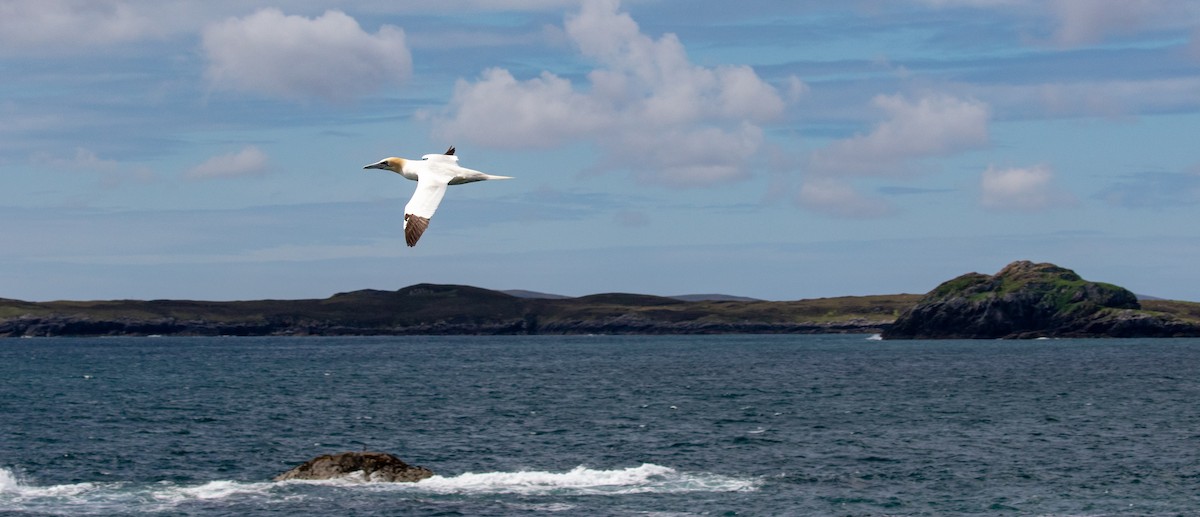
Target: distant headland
<point>1025,300</point>
<point>1028,300</point>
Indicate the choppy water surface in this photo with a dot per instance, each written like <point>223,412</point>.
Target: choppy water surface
<point>712,425</point>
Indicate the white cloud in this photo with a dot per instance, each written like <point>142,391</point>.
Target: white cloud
<point>1193,48</point>
<point>1154,190</point>
<point>934,125</point>
<point>83,159</point>
<point>689,156</point>
<point>647,106</point>
<point>62,26</point>
<point>249,161</point>
<point>971,3</point>
<point>1091,21</point>
<point>1022,189</point>
<point>111,172</point>
<point>544,111</point>
<point>796,88</point>
<point>1113,98</point>
<point>1085,22</point>
<point>632,218</point>
<point>833,197</point>
<point>328,57</point>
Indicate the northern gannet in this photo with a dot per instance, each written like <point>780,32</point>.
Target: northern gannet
<point>433,172</point>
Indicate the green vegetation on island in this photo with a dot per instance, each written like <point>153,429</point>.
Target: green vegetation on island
<point>1028,300</point>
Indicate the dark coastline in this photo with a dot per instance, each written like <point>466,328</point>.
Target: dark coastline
<point>428,309</point>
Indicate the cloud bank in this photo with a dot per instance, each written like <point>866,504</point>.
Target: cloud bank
<point>649,108</point>
<point>329,57</point>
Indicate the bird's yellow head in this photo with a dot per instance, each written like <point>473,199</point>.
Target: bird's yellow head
<point>393,164</point>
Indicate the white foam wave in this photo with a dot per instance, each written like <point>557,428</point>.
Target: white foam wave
<point>105,498</point>
<point>580,480</point>
<point>647,478</point>
<point>12,486</point>
<point>18,495</point>
<point>212,490</point>
<point>8,482</point>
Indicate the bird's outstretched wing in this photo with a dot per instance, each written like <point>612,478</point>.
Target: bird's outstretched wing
<point>430,190</point>
<point>414,226</point>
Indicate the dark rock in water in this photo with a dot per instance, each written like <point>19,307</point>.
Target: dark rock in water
<point>372,466</point>
<point>1028,300</point>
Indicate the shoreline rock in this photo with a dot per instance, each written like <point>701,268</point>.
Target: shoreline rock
<point>375,467</point>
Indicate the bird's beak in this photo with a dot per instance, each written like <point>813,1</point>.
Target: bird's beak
<point>380,165</point>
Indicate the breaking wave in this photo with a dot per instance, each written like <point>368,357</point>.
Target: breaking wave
<point>648,478</point>
<point>18,495</point>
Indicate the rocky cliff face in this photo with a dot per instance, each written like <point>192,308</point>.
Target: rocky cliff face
<point>1028,300</point>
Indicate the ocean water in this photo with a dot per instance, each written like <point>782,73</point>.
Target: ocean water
<point>603,425</point>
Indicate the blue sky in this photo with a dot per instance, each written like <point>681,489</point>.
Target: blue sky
<point>778,150</point>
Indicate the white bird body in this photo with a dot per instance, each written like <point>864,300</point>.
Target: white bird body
<point>433,173</point>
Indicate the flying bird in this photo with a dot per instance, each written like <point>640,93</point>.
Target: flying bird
<point>433,172</point>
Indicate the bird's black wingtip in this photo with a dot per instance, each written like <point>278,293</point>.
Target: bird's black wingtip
<point>450,151</point>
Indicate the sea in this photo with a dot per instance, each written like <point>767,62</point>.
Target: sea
<point>602,425</point>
